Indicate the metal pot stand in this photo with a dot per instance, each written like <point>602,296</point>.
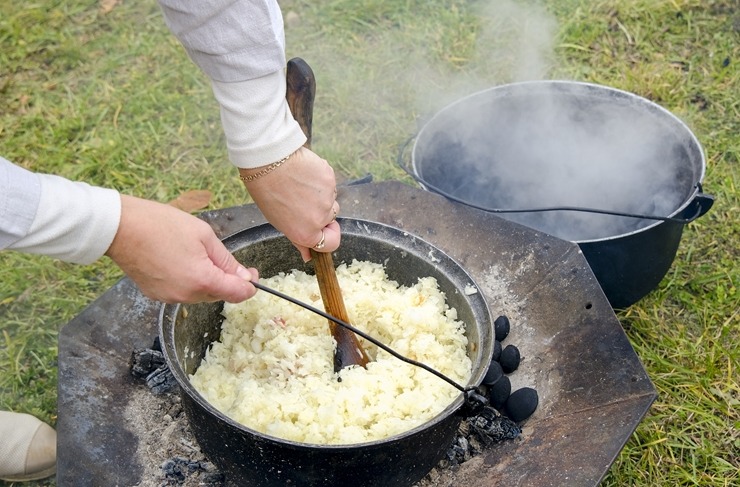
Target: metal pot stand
<point>593,389</point>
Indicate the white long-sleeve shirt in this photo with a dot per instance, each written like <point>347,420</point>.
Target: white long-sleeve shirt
<point>50,215</point>
<point>240,45</point>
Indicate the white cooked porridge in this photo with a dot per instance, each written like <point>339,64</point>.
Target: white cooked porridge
<point>272,369</point>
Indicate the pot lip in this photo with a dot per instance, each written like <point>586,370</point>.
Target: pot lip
<point>506,89</point>
<point>169,312</point>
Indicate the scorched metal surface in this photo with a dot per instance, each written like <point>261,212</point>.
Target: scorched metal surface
<point>593,389</point>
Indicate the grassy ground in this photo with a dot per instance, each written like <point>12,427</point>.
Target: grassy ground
<point>108,96</point>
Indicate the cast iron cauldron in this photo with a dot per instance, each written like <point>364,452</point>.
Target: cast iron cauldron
<point>560,143</point>
<point>250,458</point>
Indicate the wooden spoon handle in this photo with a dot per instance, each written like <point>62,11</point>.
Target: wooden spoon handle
<point>349,351</point>
<point>300,96</point>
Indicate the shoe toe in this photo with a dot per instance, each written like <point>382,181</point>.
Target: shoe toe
<point>42,452</point>
<point>28,448</point>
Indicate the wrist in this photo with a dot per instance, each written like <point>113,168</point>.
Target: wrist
<point>247,175</point>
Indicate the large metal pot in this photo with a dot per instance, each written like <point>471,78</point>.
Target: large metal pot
<point>250,458</point>
<point>546,144</point>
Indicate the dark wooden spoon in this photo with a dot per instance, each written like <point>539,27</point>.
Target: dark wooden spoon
<point>300,95</point>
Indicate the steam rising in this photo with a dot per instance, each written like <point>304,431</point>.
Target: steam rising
<point>539,148</point>
<point>547,144</point>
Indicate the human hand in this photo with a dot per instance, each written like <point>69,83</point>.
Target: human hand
<point>175,257</point>
<point>299,199</point>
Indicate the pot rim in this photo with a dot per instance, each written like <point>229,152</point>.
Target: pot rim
<point>507,89</point>
<point>169,313</point>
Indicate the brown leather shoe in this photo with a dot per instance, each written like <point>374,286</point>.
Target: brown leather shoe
<point>28,448</point>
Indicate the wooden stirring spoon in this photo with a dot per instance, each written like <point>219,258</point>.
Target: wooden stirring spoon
<point>300,95</point>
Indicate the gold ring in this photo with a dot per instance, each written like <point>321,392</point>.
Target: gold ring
<point>321,243</point>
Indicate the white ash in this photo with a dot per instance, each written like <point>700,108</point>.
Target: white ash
<point>170,455</point>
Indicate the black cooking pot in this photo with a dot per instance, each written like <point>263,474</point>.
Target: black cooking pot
<point>523,149</point>
<point>251,458</point>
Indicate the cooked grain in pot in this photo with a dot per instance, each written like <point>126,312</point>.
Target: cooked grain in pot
<point>272,369</point>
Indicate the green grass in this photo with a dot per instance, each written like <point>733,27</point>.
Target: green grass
<point>112,99</point>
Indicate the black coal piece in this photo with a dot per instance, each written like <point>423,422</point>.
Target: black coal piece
<point>495,372</point>
<point>521,404</point>
<point>501,327</point>
<point>510,359</point>
<point>499,392</point>
<point>149,364</point>
<point>496,350</point>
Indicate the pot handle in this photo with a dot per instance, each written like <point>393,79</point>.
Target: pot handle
<point>474,403</point>
<point>699,206</point>
<point>401,161</point>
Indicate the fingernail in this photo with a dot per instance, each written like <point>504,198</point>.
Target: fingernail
<point>242,272</point>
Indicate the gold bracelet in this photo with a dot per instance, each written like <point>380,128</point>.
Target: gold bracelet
<point>267,170</point>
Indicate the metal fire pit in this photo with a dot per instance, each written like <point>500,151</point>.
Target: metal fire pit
<point>593,389</point>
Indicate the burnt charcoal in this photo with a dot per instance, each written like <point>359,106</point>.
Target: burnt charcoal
<point>157,345</point>
<point>464,446</point>
<point>491,427</point>
<point>494,373</point>
<point>161,380</point>
<point>150,365</point>
<point>510,359</point>
<point>499,392</point>
<point>501,327</point>
<point>144,361</point>
<point>521,404</point>
<point>459,451</point>
<point>496,350</point>
<point>175,411</point>
<point>177,469</point>
<point>476,433</point>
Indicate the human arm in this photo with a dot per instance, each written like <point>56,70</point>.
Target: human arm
<point>174,257</point>
<point>240,45</point>
<point>171,255</point>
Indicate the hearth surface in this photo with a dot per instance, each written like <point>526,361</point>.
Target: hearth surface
<point>592,387</point>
